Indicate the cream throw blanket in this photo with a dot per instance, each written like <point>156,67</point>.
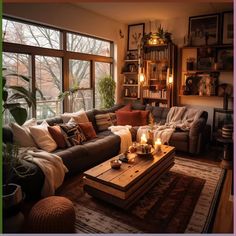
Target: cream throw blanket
<point>125,136</point>
<point>177,117</point>
<point>52,166</point>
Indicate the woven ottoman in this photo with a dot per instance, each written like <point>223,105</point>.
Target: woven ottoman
<point>52,215</point>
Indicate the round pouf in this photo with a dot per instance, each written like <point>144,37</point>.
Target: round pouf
<point>52,215</point>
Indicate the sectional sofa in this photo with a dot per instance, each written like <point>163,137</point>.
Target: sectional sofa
<point>106,145</point>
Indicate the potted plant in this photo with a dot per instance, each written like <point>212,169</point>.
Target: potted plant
<point>12,164</point>
<point>106,89</point>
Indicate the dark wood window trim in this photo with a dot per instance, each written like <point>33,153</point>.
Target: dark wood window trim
<point>62,53</point>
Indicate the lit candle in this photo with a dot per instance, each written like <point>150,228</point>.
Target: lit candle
<point>143,139</point>
<point>158,145</point>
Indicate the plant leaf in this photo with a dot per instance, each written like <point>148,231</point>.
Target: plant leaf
<point>19,96</point>
<point>19,114</point>
<point>17,75</point>
<point>4,95</point>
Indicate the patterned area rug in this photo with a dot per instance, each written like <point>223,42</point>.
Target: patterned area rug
<point>182,201</point>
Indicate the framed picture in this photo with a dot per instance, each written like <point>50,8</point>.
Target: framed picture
<point>228,28</point>
<point>135,34</point>
<point>204,30</point>
<point>225,59</point>
<point>206,58</point>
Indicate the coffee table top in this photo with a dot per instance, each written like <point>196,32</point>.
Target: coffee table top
<point>129,172</point>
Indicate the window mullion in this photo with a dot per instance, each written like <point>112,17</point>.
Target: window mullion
<point>92,68</point>
<point>33,83</point>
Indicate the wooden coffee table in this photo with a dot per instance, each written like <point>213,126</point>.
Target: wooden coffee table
<point>125,186</point>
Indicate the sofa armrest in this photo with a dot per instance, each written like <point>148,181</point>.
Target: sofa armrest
<point>195,135</point>
<point>197,127</point>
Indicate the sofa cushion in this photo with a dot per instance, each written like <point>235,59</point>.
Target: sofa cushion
<point>127,107</point>
<point>55,132</point>
<point>133,118</point>
<point>88,130</point>
<point>79,117</point>
<point>42,137</point>
<point>103,121</point>
<point>72,132</point>
<point>21,134</point>
<point>159,113</point>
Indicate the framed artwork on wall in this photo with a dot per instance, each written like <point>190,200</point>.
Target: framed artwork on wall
<point>225,59</point>
<point>135,34</point>
<point>228,28</point>
<point>204,30</point>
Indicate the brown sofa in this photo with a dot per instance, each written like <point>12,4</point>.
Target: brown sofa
<point>106,145</point>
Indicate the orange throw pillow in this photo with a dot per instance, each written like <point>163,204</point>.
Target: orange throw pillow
<point>132,118</point>
<point>55,132</point>
<point>88,130</point>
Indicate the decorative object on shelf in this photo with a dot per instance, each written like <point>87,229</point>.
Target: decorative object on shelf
<point>132,55</point>
<point>227,131</point>
<point>206,58</point>
<point>228,28</point>
<point>115,164</point>
<point>135,35</point>
<point>159,38</point>
<point>225,90</point>
<point>190,63</point>
<point>121,34</point>
<point>204,29</point>
<point>225,59</point>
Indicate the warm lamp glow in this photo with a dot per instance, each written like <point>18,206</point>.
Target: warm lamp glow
<point>141,77</point>
<point>170,80</point>
<point>158,145</point>
<point>143,139</point>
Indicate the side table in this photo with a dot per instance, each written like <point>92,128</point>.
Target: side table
<point>227,161</point>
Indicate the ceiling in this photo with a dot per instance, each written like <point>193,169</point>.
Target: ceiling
<point>134,12</point>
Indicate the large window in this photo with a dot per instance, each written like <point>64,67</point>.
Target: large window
<point>38,52</point>
<point>85,44</point>
<point>16,63</point>
<point>27,34</point>
<point>48,81</point>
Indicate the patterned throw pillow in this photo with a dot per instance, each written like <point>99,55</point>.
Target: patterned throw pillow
<point>103,121</point>
<point>113,118</point>
<point>72,133</point>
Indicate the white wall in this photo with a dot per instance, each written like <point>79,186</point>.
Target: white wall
<point>71,17</point>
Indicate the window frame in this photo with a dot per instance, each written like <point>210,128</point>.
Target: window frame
<point>65,55</point>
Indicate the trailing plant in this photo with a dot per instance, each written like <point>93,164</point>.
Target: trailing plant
<point>11,102</point>
<point>106,89</point>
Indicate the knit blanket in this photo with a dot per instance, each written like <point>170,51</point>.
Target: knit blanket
<point>125,136</point>
<point>52,166</point>
<point>177,117</point>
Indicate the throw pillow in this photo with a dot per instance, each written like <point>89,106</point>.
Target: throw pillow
<point>88,130</point>
<point>113,118</point>
<point>42,137</point>
<point>103,121</point>
<point>79,117</point>
<point>144,117</point>
<point>132,118</point>
<point>21,134</point>
<point>72,133</point>
<point>127,107</point>
<point>57,135</point>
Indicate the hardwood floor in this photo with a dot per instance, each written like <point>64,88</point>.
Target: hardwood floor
<point>223,222</point>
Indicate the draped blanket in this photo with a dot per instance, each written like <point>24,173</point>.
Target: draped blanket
<point>52,166</point>
<point>177,117</point>
<point>125,136</point>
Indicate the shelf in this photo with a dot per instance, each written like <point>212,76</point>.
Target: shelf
<point>204,96</point>
<point>130,73</point>
<point>206,71</point>
<point>155,46</point>
<point>211,46</point>
<point>131,98</point>
<point>132,60</point>
<point>130,85</point>
<point>160,99</point>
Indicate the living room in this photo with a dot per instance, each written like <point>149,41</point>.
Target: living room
<point>40,42</point>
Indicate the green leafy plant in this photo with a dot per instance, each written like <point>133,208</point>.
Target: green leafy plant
<point>71,93</point>
<point>106,89</point>
<point>11,102</point>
